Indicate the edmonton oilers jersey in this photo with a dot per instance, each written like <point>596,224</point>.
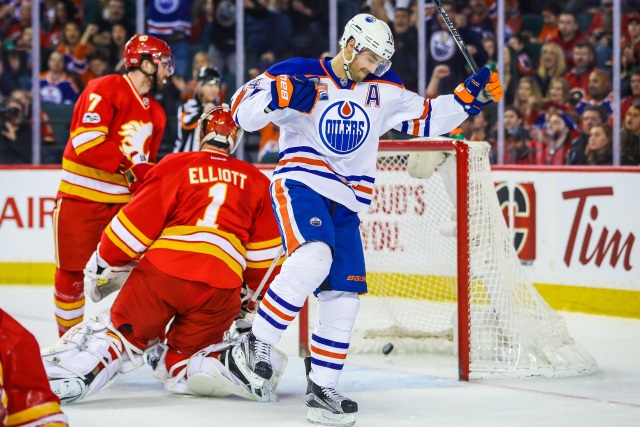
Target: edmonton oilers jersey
<point>333,149</point>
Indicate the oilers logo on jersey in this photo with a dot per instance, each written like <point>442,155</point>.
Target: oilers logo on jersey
<point>343,127</point>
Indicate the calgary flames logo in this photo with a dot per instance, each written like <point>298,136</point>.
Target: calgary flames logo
<point>135,135</point>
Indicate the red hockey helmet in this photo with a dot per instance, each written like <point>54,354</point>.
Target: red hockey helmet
<point>218,125</point>
<point>142,44</point>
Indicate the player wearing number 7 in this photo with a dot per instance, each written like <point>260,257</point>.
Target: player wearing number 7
<point>116,130</point>
<point>204,223</point>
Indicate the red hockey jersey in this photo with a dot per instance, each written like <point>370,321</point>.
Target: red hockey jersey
<point>200,216</point>
<point>25,396</point>
<point>111,121</point>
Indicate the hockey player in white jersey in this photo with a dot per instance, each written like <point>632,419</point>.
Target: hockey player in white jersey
<point>331,114</point>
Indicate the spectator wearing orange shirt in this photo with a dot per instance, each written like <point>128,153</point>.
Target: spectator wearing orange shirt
<point>97,66</point>
<point>268,149</point>
<point>550,17</point>
<point>74,48</point>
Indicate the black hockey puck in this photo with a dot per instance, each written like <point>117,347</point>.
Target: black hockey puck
<point>388,348</point>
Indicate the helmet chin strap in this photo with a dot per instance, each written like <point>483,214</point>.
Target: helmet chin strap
<point>347,62</point>
<point>154,76</point>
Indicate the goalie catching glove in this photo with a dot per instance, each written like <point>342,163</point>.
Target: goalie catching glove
<point>101,280</point>
<point>295,92</point>
<point>478,90</point>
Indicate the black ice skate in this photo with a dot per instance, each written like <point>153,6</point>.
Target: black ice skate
<point>263,391</point>
<point>326,405</point>
<point>253,358</point>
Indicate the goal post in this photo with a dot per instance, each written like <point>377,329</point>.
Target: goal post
<point>442,272</point>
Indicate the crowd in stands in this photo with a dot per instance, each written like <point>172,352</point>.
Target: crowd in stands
<point>558,65</point>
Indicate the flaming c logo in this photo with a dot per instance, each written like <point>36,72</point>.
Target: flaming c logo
<point>135,136</point>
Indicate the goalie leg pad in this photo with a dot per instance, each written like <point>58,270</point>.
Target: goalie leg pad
<point>205,375</point>
<point>88,358</point>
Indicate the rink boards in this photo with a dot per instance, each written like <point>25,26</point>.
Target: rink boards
<point>575,229</point>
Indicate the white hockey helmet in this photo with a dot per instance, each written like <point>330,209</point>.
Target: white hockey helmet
<point>373,34</point>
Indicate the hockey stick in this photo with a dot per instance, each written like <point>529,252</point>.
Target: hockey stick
<point>250,308</point>
<point>262,284</point>
<point>456,36</point>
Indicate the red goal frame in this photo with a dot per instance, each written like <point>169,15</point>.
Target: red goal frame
<point>462,193</point>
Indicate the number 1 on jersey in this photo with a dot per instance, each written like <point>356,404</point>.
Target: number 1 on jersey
<point>218,192</point>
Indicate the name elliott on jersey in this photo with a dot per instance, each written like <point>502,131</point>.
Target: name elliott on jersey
<point>201,175</point>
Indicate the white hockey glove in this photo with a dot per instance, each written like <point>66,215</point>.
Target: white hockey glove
<point>422,164</point>
<point>101,280</point>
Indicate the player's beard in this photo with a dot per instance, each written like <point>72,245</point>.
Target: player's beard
<point>159,83</point>
<point>357,74</point>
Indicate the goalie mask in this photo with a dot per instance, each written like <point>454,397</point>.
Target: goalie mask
<point>369,33</point>
<point>217,127</point>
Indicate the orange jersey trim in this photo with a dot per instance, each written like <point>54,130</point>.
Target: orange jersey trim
<point>325,352</point>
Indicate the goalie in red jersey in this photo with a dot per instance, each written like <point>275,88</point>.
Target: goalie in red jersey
<point>205,225</point>
<point>25,397</point>
<point>116,130</point>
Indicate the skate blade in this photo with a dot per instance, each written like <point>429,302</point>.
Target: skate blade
<point>326,418</point>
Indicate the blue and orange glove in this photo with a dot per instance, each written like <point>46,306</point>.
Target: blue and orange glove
<point>296,92</point>
<point>478,90</point>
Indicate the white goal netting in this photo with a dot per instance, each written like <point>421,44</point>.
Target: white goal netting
<point>409,237</point>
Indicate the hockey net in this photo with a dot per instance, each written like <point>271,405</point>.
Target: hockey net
<point>433,289</point>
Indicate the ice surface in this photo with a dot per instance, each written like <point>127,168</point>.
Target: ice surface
<point>393,390</point>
